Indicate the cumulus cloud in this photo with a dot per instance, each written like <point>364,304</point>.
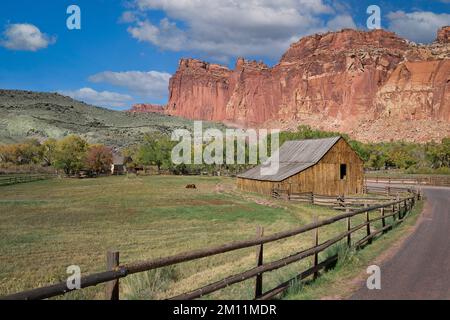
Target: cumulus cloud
<point>130,16</point>
<point>340,22</point>
<point>419,26</point>
<point>26,37</point>
<point>224,28</point>
<point>103,98</point>
<point>150,84</point>
<point>166,35</point>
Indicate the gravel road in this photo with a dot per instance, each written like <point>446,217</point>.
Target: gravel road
<point>421,267</point>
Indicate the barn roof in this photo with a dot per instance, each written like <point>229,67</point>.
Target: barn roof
<point>294,157</point>
<point>118,159</point>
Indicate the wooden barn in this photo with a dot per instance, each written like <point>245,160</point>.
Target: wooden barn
<point>322,166</point>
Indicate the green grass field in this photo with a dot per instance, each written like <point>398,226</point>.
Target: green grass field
<point>47,226</point>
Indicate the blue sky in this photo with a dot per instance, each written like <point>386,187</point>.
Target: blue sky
<point>126,51</point>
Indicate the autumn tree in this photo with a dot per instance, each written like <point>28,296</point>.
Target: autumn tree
<point>8,153</point>
<point>49,149</point>
<point>99,158</point>
<point>71,154</point>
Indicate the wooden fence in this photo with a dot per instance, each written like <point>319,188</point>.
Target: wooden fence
<point>395,210</point>
<point>377,196</point>
<point>23,178</point>
<point>443,181</point>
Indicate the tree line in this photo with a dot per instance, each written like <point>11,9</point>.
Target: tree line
<point>430,157</point>
<point>71,155</point>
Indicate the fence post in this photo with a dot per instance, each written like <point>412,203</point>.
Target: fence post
<point>368,226</point>
<point>349,226</point>
<point>406,208</point>
<point>312,198</point>
<point>399,207</point>
<point>112,287</point>
<point>259,262</point>
<point>316,243</point>
<point>383,220</point>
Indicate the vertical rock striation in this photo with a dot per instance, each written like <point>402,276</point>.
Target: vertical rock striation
<point>372,85</point>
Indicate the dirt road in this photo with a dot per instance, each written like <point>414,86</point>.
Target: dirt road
<point>421,267</point>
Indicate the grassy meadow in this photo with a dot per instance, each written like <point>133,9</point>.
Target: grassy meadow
<point>46,226</point>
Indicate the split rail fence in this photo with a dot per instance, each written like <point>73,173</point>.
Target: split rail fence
<point>374,195</point>
<point>24,178</point>
<point>440,181</point>
<point>390,214</point>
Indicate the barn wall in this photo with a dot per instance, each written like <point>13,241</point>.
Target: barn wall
<point>263,187</point>
<point>323,178</point>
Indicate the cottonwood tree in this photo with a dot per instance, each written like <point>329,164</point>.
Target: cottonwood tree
<point>99,158</point>
<point>71,154</point>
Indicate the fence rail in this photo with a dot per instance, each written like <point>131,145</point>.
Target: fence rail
<point>441,181</point>
<point>398,210</point>
<point>24,178</point>
<point>378,195</point>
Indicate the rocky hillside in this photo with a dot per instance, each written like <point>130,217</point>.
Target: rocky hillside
<point>26,114</point>
<point>374,85</point>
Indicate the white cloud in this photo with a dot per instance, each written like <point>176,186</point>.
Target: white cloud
<point>103,98</point>
<point>130,16</point>
<point>150,84</point>
<point>166,35</point>
<point>419,26</point>
<point>225,28</point>
<point>341,22</point>
<point>24,36</point>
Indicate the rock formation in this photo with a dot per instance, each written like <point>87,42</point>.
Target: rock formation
<point>372,85</point>
<point>145,108</point>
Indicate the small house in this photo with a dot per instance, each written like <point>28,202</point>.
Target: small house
<point>323,166</point>
<point>118,165</point>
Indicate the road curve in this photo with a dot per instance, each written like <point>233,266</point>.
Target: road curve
<point>421,267</point>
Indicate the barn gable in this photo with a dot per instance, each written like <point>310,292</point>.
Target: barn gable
<point>294,157</point>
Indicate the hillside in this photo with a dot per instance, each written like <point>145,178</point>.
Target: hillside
<point>26,114</point>
<point>374,86</point>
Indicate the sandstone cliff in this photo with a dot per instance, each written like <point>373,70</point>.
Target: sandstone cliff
<point>146,108</point>
<point>372,85</point>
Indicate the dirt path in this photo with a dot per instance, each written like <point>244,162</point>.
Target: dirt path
<point>421,267</point>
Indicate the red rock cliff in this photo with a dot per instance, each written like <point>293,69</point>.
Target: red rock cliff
<point>145,107</point>
<point>373,85</point>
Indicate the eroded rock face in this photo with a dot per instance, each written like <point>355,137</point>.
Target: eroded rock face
<point>146,108</point>
<point>351,81</point>
<point>444,35</point>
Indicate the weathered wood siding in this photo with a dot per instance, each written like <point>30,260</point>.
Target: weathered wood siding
<point>322,178</point>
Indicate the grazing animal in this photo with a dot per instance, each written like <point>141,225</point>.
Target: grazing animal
<point>191,186</point>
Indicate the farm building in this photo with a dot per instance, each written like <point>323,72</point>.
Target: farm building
<point>322,166</point>
<point>118,165</point>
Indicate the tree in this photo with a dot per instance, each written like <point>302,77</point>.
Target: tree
<point>8,153</point>
<point>28,152</point>
<point>71,154</point>
<point>156,150</point>
<point>99,158</point>
<point>49,149</point>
